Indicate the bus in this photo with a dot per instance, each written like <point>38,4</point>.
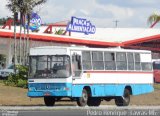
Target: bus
<point>89,75</point>
<point>156,70</point>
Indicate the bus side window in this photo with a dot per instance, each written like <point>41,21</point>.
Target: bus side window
<point>146,66</point>
<point>109,59</point>
<point>97,60</point>
<point>86,60</point>
<point>121,61</point>
<point>137,61</point>
<point>130,60</point>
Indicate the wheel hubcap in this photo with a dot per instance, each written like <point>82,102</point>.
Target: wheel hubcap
<point>84,96</point>
<point>126,97</point>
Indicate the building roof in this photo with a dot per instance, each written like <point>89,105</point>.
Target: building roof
<point>139,38</point>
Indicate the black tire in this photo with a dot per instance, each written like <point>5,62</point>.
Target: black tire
<point>49,101</point>
<point>82,101</point>
<point>125,100</point>
<point>94,101</point>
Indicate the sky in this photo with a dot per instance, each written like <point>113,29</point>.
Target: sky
<point>101,13</point>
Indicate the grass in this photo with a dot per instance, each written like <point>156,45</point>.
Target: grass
<point>1,81</point>
<point>16,96</point>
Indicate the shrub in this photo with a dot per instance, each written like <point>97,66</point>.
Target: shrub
<point>11,81</point>
<point>22,83</point>
<point>19,79</point>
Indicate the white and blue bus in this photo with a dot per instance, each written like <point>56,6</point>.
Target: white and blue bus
<point>89,75</point>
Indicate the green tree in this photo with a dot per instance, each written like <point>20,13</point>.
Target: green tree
<point>3,20</point>
<point>25,8</point>
<point>59,32</point>
<point>154,19</point>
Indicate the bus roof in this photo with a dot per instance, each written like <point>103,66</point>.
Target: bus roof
<point>155,60</point>
<point>63,49</point>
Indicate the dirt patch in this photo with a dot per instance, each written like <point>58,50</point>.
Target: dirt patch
<point>18,96</point>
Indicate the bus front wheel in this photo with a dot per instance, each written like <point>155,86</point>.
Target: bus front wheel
<point>49,101</point>
<point>123,100</point>
<point>82,101</point>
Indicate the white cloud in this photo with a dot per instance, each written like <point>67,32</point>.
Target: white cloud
<point>84,11</point>
<point>119,12</point>
<point>102,13</point>
<point>4,12</point>
<point>144,1</point>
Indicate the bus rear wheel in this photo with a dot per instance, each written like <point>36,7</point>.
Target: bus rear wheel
<point>93,101</point>
<point>49,101</point>
<point>124,100</point>
<point>82,101</point>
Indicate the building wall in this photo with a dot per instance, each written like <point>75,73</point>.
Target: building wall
<point>7,47</point>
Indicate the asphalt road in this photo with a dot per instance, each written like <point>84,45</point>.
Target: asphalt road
<point>79,111</point>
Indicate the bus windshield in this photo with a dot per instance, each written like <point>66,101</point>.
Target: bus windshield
<point>156,65</point>
<point>57,66</point>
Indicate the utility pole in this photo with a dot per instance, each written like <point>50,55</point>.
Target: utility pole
<point>116,23</point>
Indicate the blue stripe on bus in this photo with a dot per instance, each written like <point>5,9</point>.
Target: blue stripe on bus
<point>97,90</point>
<point>112,89</point>
<point>49,89</point>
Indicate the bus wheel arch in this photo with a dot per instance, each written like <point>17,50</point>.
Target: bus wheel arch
<point>129,88</point>
<point>125,99</point>
<point>88,90</point>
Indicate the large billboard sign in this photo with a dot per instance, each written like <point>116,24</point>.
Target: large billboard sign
<point>81,25</point>
<point>35,22</point>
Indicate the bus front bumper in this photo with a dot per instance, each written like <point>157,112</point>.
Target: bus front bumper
<point>49,93</point>
<point>49,89</point>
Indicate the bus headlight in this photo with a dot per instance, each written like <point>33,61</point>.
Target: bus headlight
<point>31,89</point>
